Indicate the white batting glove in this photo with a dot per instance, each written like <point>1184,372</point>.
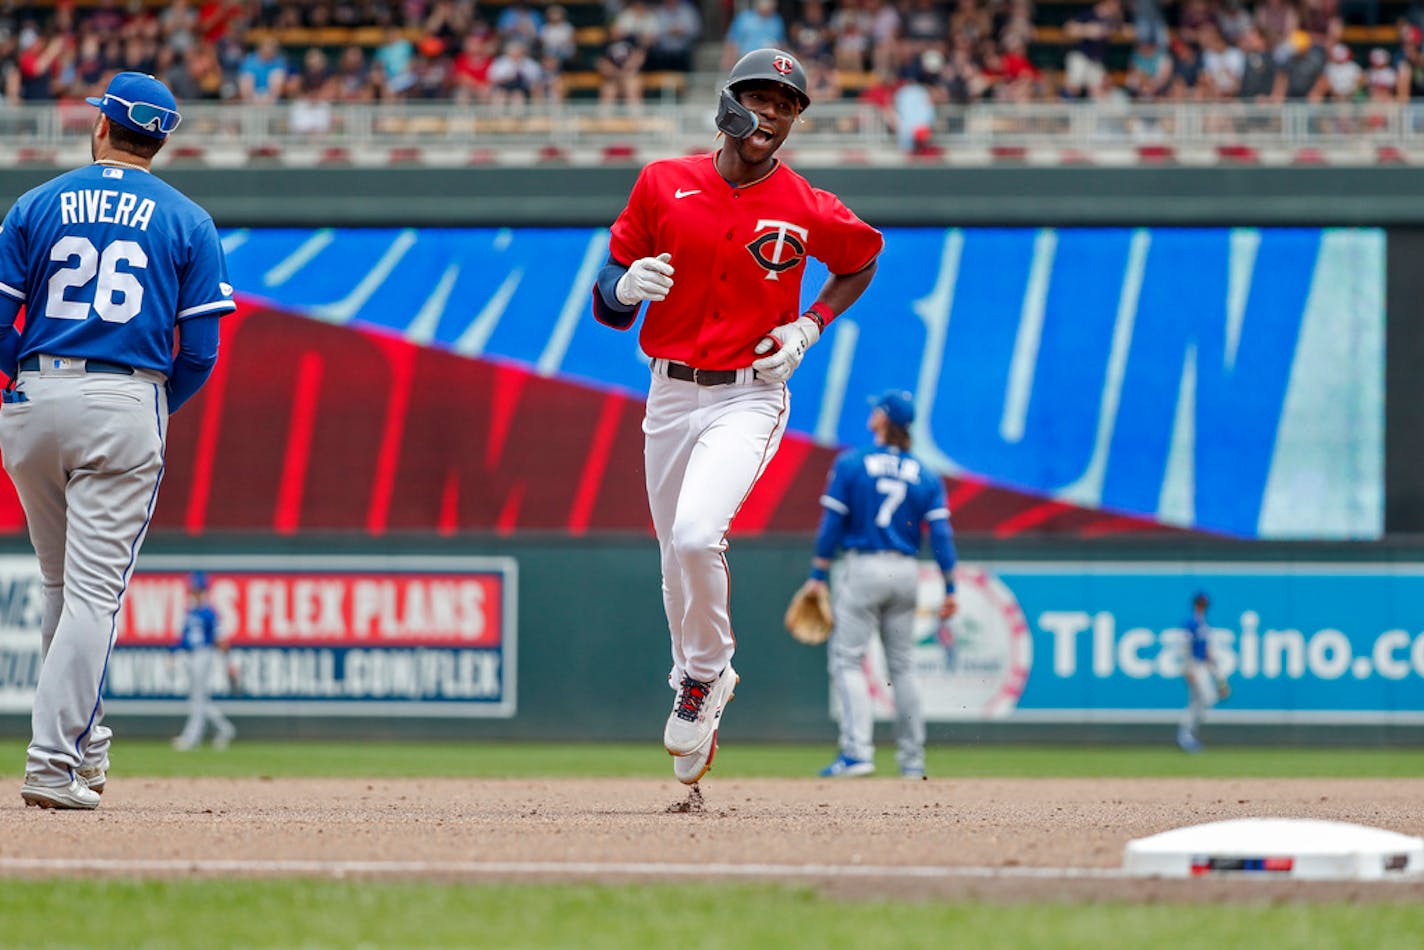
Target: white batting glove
<point>783,348</point>
<point>650,278</point>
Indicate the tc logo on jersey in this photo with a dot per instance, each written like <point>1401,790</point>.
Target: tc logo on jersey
<point>778,250</point>
<point>782,64</point>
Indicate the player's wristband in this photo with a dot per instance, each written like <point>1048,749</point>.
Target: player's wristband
<point>819,573</point>
<point>821,313</point>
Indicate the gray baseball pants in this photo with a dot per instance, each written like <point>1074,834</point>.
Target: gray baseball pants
<point>85,452</point>
<point>876,594</point>
<point>202,661</point>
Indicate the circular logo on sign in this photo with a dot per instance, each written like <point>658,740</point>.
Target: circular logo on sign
<point>783,65</point>
<point>973,666</point>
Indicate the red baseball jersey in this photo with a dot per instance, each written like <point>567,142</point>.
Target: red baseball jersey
<point>739,254</point>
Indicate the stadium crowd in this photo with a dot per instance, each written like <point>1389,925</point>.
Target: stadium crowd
<point>951,52</point>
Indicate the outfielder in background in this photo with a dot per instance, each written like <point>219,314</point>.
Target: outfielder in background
<point>878,503</point>
<point>716,244</point>
<point>1205,684</point>
<point>202,640</point>
<point>109,263</point>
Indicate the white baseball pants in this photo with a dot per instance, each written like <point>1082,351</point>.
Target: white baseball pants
<point>704,448</point>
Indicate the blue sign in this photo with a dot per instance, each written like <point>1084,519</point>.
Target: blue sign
<point>1303,643</point>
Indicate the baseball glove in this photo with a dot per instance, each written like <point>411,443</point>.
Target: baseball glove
<point>808,616</point>
<point>1223,689</point>
<point>234,678</point>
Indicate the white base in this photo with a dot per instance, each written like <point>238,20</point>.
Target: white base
<point>1273,848</point>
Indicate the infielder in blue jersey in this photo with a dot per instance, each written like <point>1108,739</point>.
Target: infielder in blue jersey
<point>201,639</point>
<point>1205,684</point>
<point>111,265</point>
<point>877,505</point>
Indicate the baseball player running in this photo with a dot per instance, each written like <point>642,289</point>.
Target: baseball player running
<point>1205,685</point>
<point>716,245</point>
<point>877,503</point>
<point>200,639</point>
<point>108,262</point>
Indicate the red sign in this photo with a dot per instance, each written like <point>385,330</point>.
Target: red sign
<point>325,607</point>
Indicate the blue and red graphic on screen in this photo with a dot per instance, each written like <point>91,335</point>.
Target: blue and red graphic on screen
<point>1083,381</point>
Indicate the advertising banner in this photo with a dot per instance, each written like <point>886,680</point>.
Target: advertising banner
<point>1298,643</point>
<point>310,635</point>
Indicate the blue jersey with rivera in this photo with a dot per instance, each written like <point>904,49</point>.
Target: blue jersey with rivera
<point>879,499</point>
<point>200,628</point>
<point>107,261</point>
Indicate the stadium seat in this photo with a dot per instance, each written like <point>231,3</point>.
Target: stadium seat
<point>264,153</point>
<point>619,152</point>
<point>552,153</point>
<point>1156,154</point>
<point>1073,156</point>
<point>335,155</point>
<point>405,155</point>
<point>1391,155</point>
<point>1309,156</point>
<point>1240,154</point>
<point>1008,153</point>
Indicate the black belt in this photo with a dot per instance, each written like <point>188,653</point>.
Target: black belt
<point>31,364</point>
<point>702,377</point>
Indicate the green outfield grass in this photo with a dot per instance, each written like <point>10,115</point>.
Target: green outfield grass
<point>734,760</point>
<point>302,913</point>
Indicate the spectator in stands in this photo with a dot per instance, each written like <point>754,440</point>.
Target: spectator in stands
<point>884,33</point>
<point>853,47</point>
<point>1085,66</point>
<point>1149,72</point>
<point>1148,23</point>
<point>1381,80</point>
<point>823,81</point>
<point>1019,79</point>
<point>914,108</point>
<point>472,66</point>
<point>1188,73</point>
<point>263,73</point>
<point>679,26</point>
<point>1258,70</point>
<point>1341,80</point>
<point>519,22</point>
<point>1278,22</point>
<point>1193,21</point>
<point>964,81</point>
<point>197,76</point>
<point>310,97</point>
<point>925,27</point>
<point>1409,66</point>
<point>90,67</point>
<point>812,38</point>
<point>353,76</point>
<point>1017,21</point>
<point>755,27</point>
<point>557,42</point>
<point>620,66</point>
<point>638,23</point>
<point>1233,19</point>
<point>1222,65</point>
<point>515,77</point>
<point>39,61</point>
<point>1298,74</point>
<point>395,59</point>
<point>433,75</point>
<point>179,25</point>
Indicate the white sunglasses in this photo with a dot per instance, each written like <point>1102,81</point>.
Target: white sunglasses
<point>148,116</point>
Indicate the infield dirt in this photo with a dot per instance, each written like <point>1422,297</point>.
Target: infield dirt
<point>990,833</point>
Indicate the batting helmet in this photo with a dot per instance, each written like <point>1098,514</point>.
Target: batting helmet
<point>761,65</point>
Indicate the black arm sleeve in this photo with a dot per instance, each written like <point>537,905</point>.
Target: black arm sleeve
<point>607,308</point>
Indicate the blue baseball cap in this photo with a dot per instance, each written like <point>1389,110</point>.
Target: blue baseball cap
<point>198,580</point>
<point>141,103</point>
<point>898,406</point>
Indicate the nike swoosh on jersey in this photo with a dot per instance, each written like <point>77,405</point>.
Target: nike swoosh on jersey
<point>683,194</point>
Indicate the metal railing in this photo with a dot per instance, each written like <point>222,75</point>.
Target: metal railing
<point>450,129</point>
